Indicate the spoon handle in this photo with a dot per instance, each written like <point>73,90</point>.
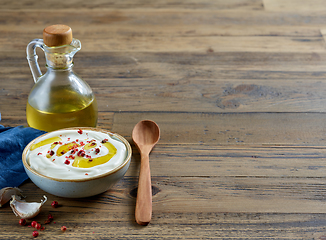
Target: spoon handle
<point>143,211</point>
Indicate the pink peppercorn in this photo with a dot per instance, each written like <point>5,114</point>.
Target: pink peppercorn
<point>33,224</point>
<point>22,222</point>
<point>38,226</point>
<point>54,204</point>
<point>35,233</point>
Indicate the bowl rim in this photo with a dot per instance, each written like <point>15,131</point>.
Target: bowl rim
<point>114,170</point>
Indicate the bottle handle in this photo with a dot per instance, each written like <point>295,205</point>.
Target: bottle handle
<point>32,57</point>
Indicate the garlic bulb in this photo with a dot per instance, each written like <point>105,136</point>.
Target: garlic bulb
<point>24,209</point>
<point>7,192</point>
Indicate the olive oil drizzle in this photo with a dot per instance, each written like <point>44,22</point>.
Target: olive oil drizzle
<point>82,162</point>
<point>45,142</point>
<point>79,161</point>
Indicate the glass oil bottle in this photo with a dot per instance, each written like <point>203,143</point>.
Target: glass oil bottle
<point>59,98</point>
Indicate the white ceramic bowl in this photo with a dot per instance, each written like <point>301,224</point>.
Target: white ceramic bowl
<point>79,188</point>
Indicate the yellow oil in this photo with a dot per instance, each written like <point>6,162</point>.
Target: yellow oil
<point>80,162</point>
<point>65,109</point>
<point>44,142</point>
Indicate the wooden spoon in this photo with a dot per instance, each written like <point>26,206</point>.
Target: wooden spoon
<point>145,135</point>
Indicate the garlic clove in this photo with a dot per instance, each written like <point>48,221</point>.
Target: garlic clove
<point>24,209</point>
<point>7,192</point>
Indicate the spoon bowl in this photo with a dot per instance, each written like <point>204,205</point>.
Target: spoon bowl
<point>145,135</point>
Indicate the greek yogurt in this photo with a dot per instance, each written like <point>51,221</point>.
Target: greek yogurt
<point>76,154</point>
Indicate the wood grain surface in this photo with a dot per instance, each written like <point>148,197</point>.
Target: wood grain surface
<point>238,89</point>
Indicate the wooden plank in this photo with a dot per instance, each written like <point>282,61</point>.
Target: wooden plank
<point>294,129</point>
<point>204,44</point>
<point>218,28</point>
<point>254,161</point>
<point>175,66</point>
<point>191,44</point>
<point>213,96</point>
<point>250,195</point>
<point>166,225</point>
<point>108,19</point>
<point>112,31</point>
<point>214,66</point>
<point>99,18</point>
<point>137,4</point>
<point>294,5</point>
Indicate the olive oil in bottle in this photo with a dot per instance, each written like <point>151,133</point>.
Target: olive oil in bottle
<point>70,111</point>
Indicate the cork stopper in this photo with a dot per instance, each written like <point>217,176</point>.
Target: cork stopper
<point>57,35</point>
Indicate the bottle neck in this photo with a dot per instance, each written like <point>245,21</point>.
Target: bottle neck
<point>61,57</point>
<point>67,68</point>
<point>59,61</point>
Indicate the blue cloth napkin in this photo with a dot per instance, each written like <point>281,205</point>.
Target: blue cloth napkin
<point>13,140</point>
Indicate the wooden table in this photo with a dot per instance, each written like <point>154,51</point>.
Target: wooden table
<point>238,89</point>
